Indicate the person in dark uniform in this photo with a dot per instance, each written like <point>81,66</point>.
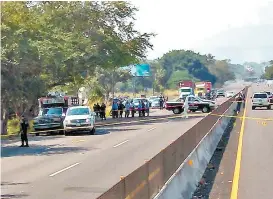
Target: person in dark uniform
<point>95,108</point>
<point>143,108</point>
<point>98,110</point>
<point>103,108</point>
<point>161,102</point>
<point>120,109</point>
<point>23,127</point>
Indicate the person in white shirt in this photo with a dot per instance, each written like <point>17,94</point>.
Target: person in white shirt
<point>186,107</point>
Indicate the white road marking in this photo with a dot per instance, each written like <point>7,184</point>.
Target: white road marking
<point>73,165</point>
<point>121,143</point>
<point>151,129</point>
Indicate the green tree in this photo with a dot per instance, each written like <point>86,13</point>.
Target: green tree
<point>269,71</point>
<point>49,44</point>
<point>180,60</point>
<point>221,70</point>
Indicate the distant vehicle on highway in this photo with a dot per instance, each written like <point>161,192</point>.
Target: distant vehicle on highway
<point>230,94</point>
<point>260,100</point>
<point>79,119</point>
<point>195,104</point>
<point>220,93</point>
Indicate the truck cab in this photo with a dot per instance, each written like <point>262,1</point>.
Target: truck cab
<point>185,91</point>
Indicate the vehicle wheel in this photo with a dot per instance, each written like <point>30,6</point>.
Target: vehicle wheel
<point>66,133</point>
<point>205,109</point>
<point>92,132</point>
<point>61,132</point>
<point>269,107</point>
<point>37,134</point>
<point>176,111</point>
<point>253,107</point>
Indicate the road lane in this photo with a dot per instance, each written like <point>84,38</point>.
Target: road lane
<point>256,174</point>
<point>84,166</point>
<point>100,165</point>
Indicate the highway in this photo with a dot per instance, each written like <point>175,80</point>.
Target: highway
<point>84,166</point>
<point>253,171</point>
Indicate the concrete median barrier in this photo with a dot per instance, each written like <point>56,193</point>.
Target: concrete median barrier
<point>184,181</point>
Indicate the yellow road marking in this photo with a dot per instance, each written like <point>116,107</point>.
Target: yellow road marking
<point>236,176</point>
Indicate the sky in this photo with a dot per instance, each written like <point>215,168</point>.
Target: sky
<point>240,30</point>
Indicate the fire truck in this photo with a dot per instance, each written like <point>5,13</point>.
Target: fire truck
<point>52,111</point>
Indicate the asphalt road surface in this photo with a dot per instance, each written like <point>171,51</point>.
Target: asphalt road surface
<point>84,166</point>
<point>256,170</point>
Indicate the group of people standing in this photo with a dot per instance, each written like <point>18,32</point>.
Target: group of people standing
<point>129,107</point>
<point>100,110</point>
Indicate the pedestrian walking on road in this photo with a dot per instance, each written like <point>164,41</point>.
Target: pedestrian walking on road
<point>186,107</point>
<point>23,129</point>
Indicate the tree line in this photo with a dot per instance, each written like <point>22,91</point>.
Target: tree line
<point>50,44</point>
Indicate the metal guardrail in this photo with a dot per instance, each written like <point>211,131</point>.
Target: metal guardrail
<point>146,181</point>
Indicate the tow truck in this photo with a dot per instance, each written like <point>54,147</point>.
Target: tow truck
<point>195,104</point>
<point>52,111</point>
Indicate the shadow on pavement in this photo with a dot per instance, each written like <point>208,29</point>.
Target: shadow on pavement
<point>10,151</point>
<point>11,196</point>
<point>31,137</point>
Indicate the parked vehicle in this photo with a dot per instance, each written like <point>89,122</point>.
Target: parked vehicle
<point>79,119</point>
<point>52,110</point>
<point>186,88</point>
<point>201,88</point>
<point>195,104</point>
<point>155,103</point>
